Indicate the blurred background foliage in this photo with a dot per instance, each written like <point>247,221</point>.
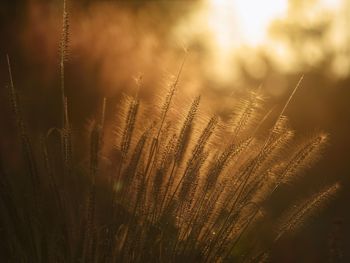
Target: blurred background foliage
<point>112,42</point>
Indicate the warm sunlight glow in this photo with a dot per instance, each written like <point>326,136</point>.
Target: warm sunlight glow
<point>231,28</point>
<point>230,25</point>
<point>236,22</point>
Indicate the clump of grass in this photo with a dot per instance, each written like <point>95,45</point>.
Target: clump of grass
<point>177,189</point>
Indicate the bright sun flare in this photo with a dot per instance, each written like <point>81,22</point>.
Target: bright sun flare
<point>236,22</point>
<point>231,27</point>
<point>242,21</point>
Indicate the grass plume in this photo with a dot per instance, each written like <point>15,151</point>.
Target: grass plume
<point>176,189</point>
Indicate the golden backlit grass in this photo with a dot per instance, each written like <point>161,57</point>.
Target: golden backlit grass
<point>177,186</point>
